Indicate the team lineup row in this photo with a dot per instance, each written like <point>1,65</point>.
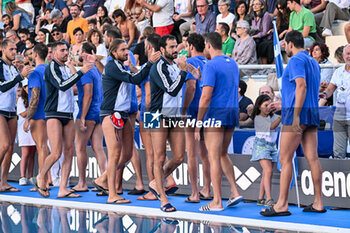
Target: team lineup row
<point>107,108</point>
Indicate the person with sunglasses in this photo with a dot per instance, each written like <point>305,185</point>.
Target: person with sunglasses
<point>57,34</point>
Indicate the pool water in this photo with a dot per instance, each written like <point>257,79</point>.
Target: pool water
<point>15,217</point>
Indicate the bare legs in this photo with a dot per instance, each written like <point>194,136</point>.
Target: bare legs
<point>8,131</point>
<point>94,133</point>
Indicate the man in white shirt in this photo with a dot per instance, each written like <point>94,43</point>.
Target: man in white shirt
<point>163,11</point>
<point>112,5</point>
<point>341,121</point>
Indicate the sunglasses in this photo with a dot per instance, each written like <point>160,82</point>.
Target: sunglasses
<point>55,34</point>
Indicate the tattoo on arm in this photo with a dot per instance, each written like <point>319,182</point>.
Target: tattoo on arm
<point>34,101</point>
<point>133,68</point>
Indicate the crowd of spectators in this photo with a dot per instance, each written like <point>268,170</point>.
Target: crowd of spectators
<point>246,26</point>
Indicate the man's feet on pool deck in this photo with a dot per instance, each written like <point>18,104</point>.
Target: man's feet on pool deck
<point>44,192</point>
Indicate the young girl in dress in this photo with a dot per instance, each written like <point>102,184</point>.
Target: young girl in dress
<point>264,147</point>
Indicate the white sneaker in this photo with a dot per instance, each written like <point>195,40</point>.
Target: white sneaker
<point>327,32</point>
<point>23,181</point>
<point>30,181</point>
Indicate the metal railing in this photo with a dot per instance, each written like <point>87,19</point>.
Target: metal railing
<point>273,66</point>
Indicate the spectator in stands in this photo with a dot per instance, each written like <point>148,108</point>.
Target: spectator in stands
<point>225,16</point>
<point>181,48</point>
<point>57,18</point>
<point>23,34</point>
<point>107,21</point>
<point>28,57</point>
<point>241,13</point>
<point>28,7</point>
<point>244,51</point>
<point>89,9</point>
<point>320,52</point>
<point>8,23</point>
<point>44,21</point>
<point>302,20</point>
<point>184,14</point>
<point>59,5</point>
<point>227,42</point>
<point>262,24</point>
<point>139,52</point>
<point>282,20</point>
<point>275,106</point>
<point>127,27</point>
<point>338,54</point>
<point>205,20</point>
<point>315,6</point>
<point>243,101</point>
<point>18,62</point>
<point>271,7</point>
<point>13,36</point>
<point>49,56</point>
<point>19,16</point>
<point>341,82</point>
<point>101,14</point>
<point>163,11</point>
<point>57,35</point>
<point>44,36</point>
<point>76,48</point>
<point>112,5</point>
<point>135,13</point>
<point>334,10</point>
<point>92,24</point>
<point>76,22</point>
<point>95,37</point>
<point>30,42</point>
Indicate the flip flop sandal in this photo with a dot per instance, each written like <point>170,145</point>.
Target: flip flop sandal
<point>270,212</point>
<point>119,201</point>
<point>234,201</point>
<point>136,192</point>
<point>260,202</point>
<point>102,194</point>
<point>188,200</point>
<point>171,190</point>
<point>78,191</point>
<point>208,208</point>
<point>202,197</point>
<point>11,189</point>
<point>168,208</point>
<point>144,198</point>
<point>310,209</point>
<point>154,192</point>
<point>69,195</point>
<point>100,188</point>
<point>38,189</point>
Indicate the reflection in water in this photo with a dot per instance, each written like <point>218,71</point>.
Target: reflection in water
<point>43,219</point>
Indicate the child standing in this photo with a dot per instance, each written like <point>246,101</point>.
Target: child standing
<point>25,140</point>
<point>264,147</point>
